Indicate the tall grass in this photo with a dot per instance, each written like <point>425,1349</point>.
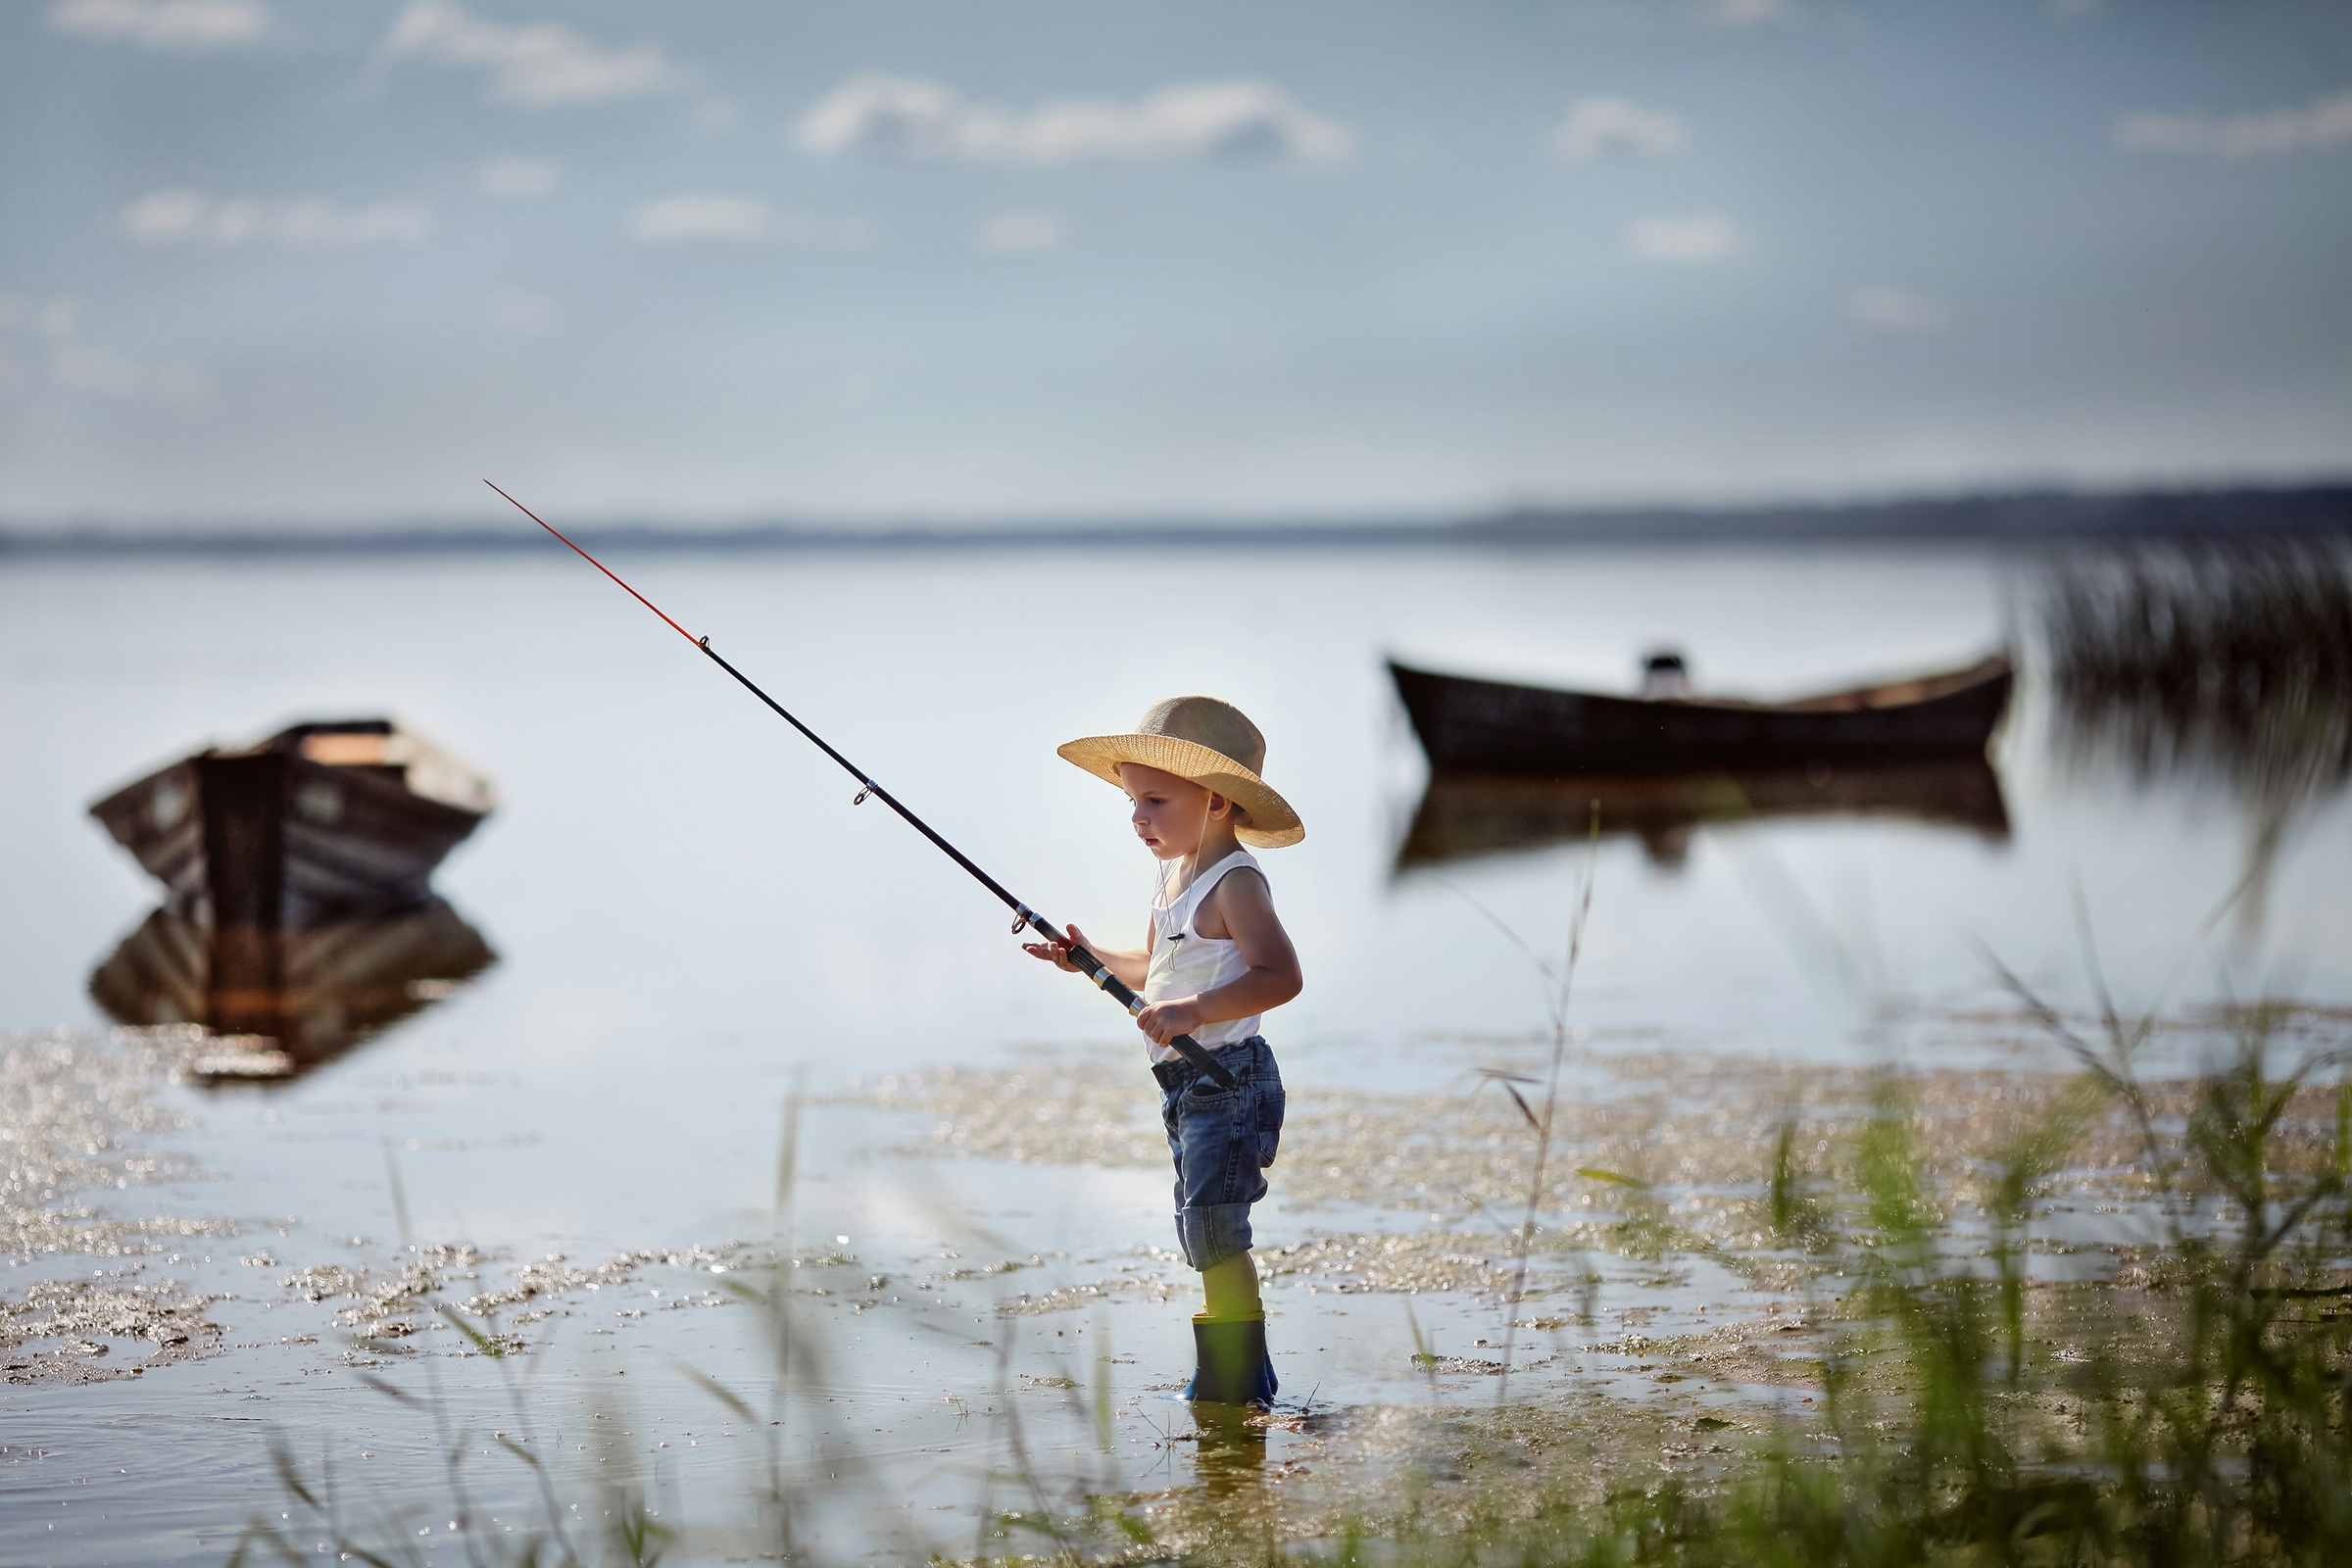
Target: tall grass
<point>2173,1391</point>
<point>1557,978</point>
<point>2188,1405</point>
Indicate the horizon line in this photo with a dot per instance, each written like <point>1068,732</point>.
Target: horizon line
<point>2020,514</point>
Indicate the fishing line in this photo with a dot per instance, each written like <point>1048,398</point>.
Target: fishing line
<point>1088,965</point>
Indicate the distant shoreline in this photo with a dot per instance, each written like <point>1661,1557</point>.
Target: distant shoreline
<point>2025,516</point>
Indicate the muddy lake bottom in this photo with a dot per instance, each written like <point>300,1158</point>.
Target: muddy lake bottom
<point>692,926</point>
<point>145,1396</point>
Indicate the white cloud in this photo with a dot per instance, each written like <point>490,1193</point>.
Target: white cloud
<point>517,175</point>
<point>1700,237</point>
<point>82,368</point>
<point>1598,127</point>
<point>538,66</point>
<point>902,118</point>
<point>1008,233</point>
<point>743,221</point>
<point>1748,13</point>
<point>191,24</point>
<point>1896,310</point>
<point>521,312</point>
<point>53,319</point>
<point>693,217</point>
<point>190,217</point>
<point>64,362</point>
<point>2321,126</point>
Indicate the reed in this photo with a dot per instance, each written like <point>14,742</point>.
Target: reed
<point>2225,658</point>
<point>2191,1405</point>
<point>2215,663</point>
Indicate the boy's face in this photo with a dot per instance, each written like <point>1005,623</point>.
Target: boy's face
<point>1169,812</point>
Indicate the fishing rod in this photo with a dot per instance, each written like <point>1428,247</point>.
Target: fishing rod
<point>1092,967</point>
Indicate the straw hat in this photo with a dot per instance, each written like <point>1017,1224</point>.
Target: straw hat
<point>1212,744</point>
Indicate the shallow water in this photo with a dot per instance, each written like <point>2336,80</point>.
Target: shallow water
<point>689,916</point>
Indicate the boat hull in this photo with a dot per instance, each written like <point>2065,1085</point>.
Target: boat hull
<point>1468,725</point>
<point>269,838</point>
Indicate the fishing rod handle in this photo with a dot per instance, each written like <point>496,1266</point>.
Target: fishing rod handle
<point>1184,1046</point>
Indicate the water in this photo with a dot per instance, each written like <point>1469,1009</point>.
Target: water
<point>688,915</point>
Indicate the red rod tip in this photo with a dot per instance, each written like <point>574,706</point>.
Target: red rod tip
<point>597,565</point>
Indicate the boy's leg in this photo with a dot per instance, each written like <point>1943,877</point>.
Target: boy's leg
<point>1219,1175</point>
<point>1231,1288</point>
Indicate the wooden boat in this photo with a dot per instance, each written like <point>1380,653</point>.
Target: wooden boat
<point>318,823</point>
<point>280,1002</point>
<point>1464,817</point>
<point>1486,726</point>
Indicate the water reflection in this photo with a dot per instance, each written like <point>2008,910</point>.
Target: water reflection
<point>2225,664</point>
<point>1462,817</point>
<point>1228,1511</point>
<point>283,1000</point>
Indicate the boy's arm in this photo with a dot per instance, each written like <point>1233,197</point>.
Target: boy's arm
<point>1243,906</point>
<point>1127,965</point>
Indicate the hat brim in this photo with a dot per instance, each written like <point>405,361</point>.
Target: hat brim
<point>1272,824</point>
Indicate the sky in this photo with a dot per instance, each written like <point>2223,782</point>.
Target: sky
<point>328,263</point>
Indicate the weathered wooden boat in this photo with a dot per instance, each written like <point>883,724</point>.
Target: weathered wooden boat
<point>318,823</point>
<point>278,1002</point>
<point>1486,726</point>
<point>1464,817</point>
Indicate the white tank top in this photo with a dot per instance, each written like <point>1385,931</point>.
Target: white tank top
<point>1185,963</point>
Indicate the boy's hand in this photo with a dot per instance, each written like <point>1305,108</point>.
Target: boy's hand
<point>1164,1021</point>
<point>1057,951</point>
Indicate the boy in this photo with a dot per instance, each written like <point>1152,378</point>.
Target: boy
<point>1214,960</point>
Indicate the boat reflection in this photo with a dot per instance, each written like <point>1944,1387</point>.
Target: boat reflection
<point>279,1002</point>
<point>1463,816</point>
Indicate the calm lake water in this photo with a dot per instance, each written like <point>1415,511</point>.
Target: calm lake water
<point>687,913</point>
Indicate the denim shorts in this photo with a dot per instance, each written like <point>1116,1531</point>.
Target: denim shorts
<point>1222,1141</point>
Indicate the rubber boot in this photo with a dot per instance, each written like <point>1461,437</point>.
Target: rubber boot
<point>1231,1364</point>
